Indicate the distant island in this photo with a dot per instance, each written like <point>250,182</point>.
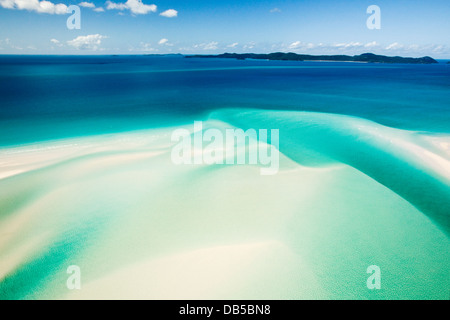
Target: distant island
<point>365,57</point>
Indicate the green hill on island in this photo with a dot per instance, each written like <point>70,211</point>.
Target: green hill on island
<point>290,56</point>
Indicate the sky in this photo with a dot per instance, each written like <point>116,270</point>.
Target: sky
<point>407,27</point>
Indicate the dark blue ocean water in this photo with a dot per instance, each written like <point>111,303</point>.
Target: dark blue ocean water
<point>52,97</point>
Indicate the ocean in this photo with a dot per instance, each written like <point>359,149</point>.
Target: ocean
<point>50,97</point>
<point>86,179</point>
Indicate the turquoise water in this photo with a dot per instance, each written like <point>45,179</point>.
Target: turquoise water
<point>86,179</point>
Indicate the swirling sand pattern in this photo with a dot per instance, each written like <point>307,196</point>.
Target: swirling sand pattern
<point>350,193</point>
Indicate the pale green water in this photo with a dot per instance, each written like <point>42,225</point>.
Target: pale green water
<point>140,227</point>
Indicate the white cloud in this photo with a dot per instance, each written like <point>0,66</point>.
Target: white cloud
<point>146,47</point>
<point>211,46</point>
<point>149,48</point>
<point>135,6</point>
<point>207,46</point>
<point>371,44</point>
<point>348,45</point>
<point>171,13</point>
<point>87,5</point>
<point>89,42</point>
<point>163,41</point>
<point>7,4</point>
<point>438,49</point>
<point>8,42</point>
<point>90,5</point>
<point>56,42</point>
<point>35,5</point>
<point>115,6</point>
<point>186,49</point>
<point>275,10</point>
<point>250,45</point>
<point>394,46</point>
<point>233,45</point>
<point>295,45</point>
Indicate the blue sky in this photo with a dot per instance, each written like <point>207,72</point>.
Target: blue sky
<point>408,27</point>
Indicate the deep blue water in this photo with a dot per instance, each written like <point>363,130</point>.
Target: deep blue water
<point>51,97</point>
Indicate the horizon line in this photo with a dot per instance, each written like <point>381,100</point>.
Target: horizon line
<point>200,54</point>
